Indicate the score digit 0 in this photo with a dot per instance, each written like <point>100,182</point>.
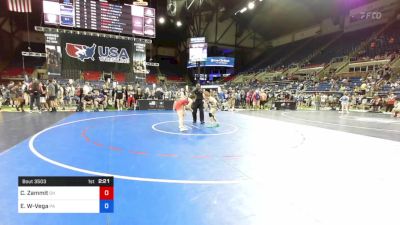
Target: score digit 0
<point>106,193</point>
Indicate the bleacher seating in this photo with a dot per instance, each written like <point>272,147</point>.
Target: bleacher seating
<point>91,75</point>
<point>344,45</point>
<point>15,66</point>
<point>15,72</point>
<point>309,49</point>
<point>151,79</point>
<point>175,78</point>
<point>273,55</point>
<point>119,76</point>
<point>228,78</point>
<point>388,41</point>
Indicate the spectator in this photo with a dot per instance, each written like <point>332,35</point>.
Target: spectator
<point>51,94</point>
<point>317,101</point>
<point>391,100</point>
<point>344,100</point>
<point>35,91</point>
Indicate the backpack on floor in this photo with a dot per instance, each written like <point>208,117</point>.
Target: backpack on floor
<point>79,107</point>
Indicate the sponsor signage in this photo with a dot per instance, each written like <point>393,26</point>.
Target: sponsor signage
<point>152,64</point>
<point>215,62</point>
<point>33,54</point>
<point>372,14</point>
<point>197,40</point>
<point>144,104</point>
<point>140,3</point>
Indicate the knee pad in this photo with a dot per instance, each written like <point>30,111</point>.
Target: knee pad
<point>210,115</point>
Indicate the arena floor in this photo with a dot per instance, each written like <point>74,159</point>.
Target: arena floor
<point>273,167</point>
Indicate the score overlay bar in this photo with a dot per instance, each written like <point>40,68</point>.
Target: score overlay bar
<point>65,194</point>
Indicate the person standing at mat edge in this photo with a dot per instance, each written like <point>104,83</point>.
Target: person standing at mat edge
<point>179,107</point>
<point>198,104</point>
<point>344,100</point>
<point>35,90</point>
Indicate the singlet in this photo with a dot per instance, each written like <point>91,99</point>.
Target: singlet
<point>88,98</point>
<point>43,94</point>
<point>100,97</point>
<point>131,93</point>
<point>105,91</point>
<point>181,103</point>
<point>212,103</point>
<point>119,94</point>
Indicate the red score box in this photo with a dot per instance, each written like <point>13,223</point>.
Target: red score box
<point>106,193</point>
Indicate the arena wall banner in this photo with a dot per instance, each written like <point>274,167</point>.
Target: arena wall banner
<point>372,14</point>
<point>139,58</point>
<point>215,62</point>
<point>92,53</point>
<point>53,54</point>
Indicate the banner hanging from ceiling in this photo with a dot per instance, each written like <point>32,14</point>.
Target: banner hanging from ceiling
<point>92,53</point>
<point>139,58</point>
<point>53,54</point>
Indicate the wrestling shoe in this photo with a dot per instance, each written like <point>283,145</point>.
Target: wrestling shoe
<point>183,129</point>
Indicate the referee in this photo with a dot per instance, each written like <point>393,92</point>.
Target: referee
<point>198,104</point>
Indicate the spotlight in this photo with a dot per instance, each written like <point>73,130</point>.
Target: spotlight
<point>178,23</point>
<point>251,5</point>
<point>161,20</point>
<point>243,10</point>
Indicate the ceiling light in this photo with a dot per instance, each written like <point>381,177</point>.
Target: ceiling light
<point>178,23</point>
<point>161,20</point>
<point>243,10</point>
<point>251,5</point>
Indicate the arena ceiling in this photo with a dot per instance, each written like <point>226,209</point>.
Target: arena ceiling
<point>271,18</point>
<point>274,18</point>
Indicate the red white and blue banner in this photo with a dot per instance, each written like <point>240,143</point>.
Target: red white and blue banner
<point>23,6</point>
<point>92,53</point>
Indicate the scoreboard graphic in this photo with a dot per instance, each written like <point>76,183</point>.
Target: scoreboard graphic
<point>101,16</point>
<point>65,195</point>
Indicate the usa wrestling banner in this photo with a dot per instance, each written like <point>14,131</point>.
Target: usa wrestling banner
<point>85,52</point>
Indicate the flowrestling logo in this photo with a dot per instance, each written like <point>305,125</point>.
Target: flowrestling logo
<point>105,53</point>
<point>371,15</point>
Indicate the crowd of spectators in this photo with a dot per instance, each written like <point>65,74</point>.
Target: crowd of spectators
<point>52,95</point>
<point>378,91</point>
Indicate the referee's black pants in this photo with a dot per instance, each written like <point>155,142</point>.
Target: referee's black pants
<point>198,104</point>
